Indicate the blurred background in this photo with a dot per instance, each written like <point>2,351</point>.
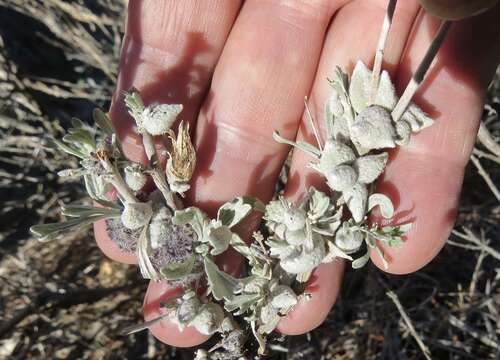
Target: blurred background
<point>65,300</point>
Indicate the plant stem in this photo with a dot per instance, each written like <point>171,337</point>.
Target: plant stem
<point>379,55</point>
<point>422,69</point>
<point>157,172</point>
<point>118,182</point>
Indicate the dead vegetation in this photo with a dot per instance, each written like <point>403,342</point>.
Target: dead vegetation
<point>63,299</point>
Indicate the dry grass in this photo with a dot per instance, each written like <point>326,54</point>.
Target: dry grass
<point>65,300</point>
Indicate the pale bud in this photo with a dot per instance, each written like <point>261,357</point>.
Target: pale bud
<point>283,297</point>
<point>209,319</point>
<point>187,309</point>
<point>370,167</point>
<point>373,128</point>
<point>294,219</point>
<point>158,119</point>
<point>348,240</point>
<point>135,177</point>
<point>341,177</point>
<point>136,215</point>
<point>335,153</point>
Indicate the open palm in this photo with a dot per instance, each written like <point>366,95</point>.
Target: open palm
<point>242,69</point>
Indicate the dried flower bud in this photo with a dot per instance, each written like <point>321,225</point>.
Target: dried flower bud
<point>157,120</point>
<point>136,215</point>
<point>135,177</point>
<point>182,160</point>
<point>209,319</point>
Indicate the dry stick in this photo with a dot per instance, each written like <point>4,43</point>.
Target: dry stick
<point>474,239</point>
<point>418,339</point>
<point>313,125</point>
<point>422,69</point>
<point>477,272</point>
<point>482,154</point>
<point>486,177</point>
<point>379,55</point>
<point>476,334</point>
<point>485,137</point>
<point>143,326</point>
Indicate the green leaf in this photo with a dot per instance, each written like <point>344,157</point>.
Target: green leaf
<point>219,238</point>
<point>329,120</point>
<point>231,213</point>
<point>176,271</point>
<point>274,211</point>
<point>240,246</point>
<point>306,147</point>
<point>383,202</point>
<point>72,150</point>
<point>96,187</point>
<point>241,302</point>
<point>102,120</point>
<point>85,211</point>
<point>194,217</point>
<point>319,203</point>
<point>45,232</point>
<point>222,285</point>
<point>360,262</point>
<point>134,103</point>
<point>77,123</point>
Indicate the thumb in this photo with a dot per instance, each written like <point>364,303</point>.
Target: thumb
<point>456,9</point>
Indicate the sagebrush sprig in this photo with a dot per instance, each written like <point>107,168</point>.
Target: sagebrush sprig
<point>363,118</point>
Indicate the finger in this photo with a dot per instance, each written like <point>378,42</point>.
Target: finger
<point>343,47</point>
<point>310,310</point>
<point>167,331</point>
<point>267,66</point>
<point>251,86</point>
<point>424,178</point>
<point>169,51</point>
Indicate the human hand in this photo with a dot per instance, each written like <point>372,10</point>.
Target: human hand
<point>243,72</point>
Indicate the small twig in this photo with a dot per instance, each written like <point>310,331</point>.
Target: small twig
<point>477,271</point>
<point>379,55</point>
<point>422,69</point>
<point>472,238</point>
<point>482,154</point>
<point>485,137</point>
<point>486,177</point>
<point>143,326</point>
<point>476,334</point>
<point>313,125</point>
<point>409,324</point>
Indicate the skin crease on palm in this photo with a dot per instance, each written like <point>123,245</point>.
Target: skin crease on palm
<point>241,70</point>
